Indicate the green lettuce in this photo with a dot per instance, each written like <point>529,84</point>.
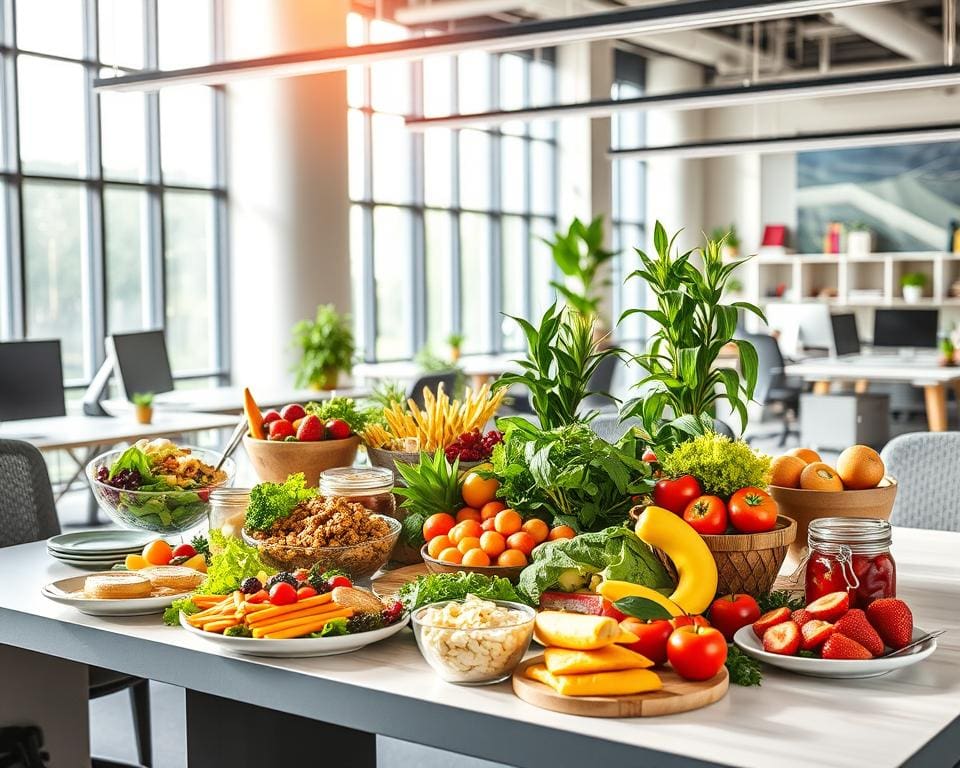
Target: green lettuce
<point>270,502</point>
<point>437,587</point>
<point>171,616</point>
<point>232,562</point>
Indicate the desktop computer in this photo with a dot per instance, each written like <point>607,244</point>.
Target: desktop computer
<point>800,327</point>
<point>31,380</point>
<point>141,362</point>
<point>846,338</point>
<point>906,328</point>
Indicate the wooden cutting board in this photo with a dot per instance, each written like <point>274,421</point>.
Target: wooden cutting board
<point>677,695</point>
<point>388,583</point>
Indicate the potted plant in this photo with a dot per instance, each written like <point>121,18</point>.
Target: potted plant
<point>579,254</point>
<point>455,341</point>
<point>859,240</point>
<point>912,285</point>
<point>327,347</point>
<point>730,242</point>
<point>947,352</point>
<point>143,406</point>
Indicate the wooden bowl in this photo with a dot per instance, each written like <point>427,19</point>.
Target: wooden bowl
<point>511,572</point>
<point>380,457</point>
<point>275,460</point>
<point>805,506</point>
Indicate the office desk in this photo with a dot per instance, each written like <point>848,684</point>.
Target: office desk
<point>920,370</point>
<point>229,400</point>
<point>480,368</point>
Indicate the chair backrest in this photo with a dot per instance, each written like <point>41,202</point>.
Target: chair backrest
<point>27,509</point>
<point>432,381</point>
<point>925,466</point>
<point>769,364</point>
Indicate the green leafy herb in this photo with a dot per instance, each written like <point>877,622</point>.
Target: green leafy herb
<point>171,616</point>
<point>238,631</point>
<point>368,621</point>
<point>411,529</point>
<point>318,578</point>
<point>202,546</point>
<point>232,562</point>
<point>326,344</point>
<point>780,599</point>
<point>579,253</point>
<point>433,485</point>
<point>333,628</point>
<point>723,466</point>
<point>345,409</point>
<point>436,587</point>
<point>642,608</point>
<point>808,654</point>
<point>743,670</point>
<point>144,399</point>
<point>135,460</point>
<point>270,502</point>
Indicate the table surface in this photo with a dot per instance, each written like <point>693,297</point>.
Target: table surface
<point>919,369</point>
<point>230,399</point>
<point>408,370</point>
<point>389,689</point>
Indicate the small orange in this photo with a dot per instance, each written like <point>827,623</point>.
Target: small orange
<point>478,491</point>
<point>820,477</point>
<point>522,541</point>
<point>561,532</point>
<point>468,513</point>
<point>806,455</point>
<point>785,471</point>
<point>135,562</point>
<point>158,552</point>
<point>468,528</point>
<point>437,525</point>
<point>467,543</point>
<point>492,543</point>
<point>476,557</point>
<point>491,508</point>
<point>507,521</point>
<point>537,528</point>
<point>512,557</point>
<point>437,544</point>
<point>450,555</point>
<point>489,524</point>
<point>860,467</point>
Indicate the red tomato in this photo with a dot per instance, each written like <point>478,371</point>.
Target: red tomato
<point>438,525</point>
<point>338,581</point>
<point>183,550</point>
<point>675,495</point>
<point>607,609</point>
<point>283,593</point>
<point>696,653</point>
<point>707,515</point>
<point>687,621</point>
<point>653,636</point>
<point>304,592</point>
<point>753,511</point>
<point>731,612</point>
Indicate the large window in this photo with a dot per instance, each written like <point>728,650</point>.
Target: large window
<point>445,225</point>
<point>112,206</point>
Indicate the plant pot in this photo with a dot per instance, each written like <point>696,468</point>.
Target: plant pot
<point>729,252</point>
<point>275,460</point>
<point>327,381</point>
<point>143,413</point>
<point>912,294</point>
<point>859,244</point>
<point>454,354</point>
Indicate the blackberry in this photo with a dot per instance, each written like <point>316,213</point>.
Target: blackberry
<point>278,577</point>
<point>251,585</point>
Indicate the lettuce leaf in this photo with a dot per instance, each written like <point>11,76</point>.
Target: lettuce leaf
<point>455,586</point>
<point>270,502</point>
<point>171,616</point>
<point>231,563</point>
<point>134,459</point>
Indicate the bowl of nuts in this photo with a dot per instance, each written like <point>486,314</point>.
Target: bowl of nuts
<point>474,641</point>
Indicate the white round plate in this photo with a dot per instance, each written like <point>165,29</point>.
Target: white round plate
<point>90,565</point>
<point>747,641</point>
<point>61,592</point>
<point>101,556</point>
<point>110,541</point>
<point>298,647</point>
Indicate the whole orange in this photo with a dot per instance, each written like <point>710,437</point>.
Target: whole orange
<point>468,528</point>
<point>467,543</point>
<point>806,455</point>
<point>561,532</point>
<point>508,521</point>
<point>491,508</point>
<point>158,552</point>
<point>785,471</point>
<point>860,467</point>
<point>437,544</point>
<point>468,513</point>
<point>820,477</point>
<point>492,543</point>
<point>450,555</point>
<point>478,491</point>
<point>522,541</point>
<point>476,557</point>
<point>537,528</point>
<point>511,558</point>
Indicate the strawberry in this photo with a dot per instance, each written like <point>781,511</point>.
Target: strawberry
<point>801,616</point>
<point>280,429</point>
<point>338,429</point>
<point>842,647</point>
<point>271,416</point>
<point>783,638</point>
<point>770,619</point>
<point>854,624</point>
<point>815,633</point>
<point>830,607</point>
<point>310,429</point>
<point>292,412</point>
<point>892,619</point>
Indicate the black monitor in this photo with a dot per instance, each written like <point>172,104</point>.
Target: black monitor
<point>142,362</point>
<point>31,380</point>
<point>846,340</point>
<point>905,327</point>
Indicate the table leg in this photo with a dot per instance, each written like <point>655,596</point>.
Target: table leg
<point>479,379</point>
<point>935,396</point>
<point>821,387</point>
<point>227,732</point>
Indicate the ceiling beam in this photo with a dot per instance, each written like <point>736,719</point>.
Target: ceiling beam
<point>894,30</point>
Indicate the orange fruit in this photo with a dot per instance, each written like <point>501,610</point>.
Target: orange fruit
<point>538,529</point>
<point>806,455</point>
<point>467,543</point>
<point>468,513</point>
<point>450,555</point>
<point>438,525</point>
<point>491,508</point>
<point>785,471</point>
<point>198,562</point>
<point>476,557</point>
<point>477,491</point>
<point>492,543</point>
<point>135,562</point>
<point>562,532</point>
<point>820,477</point>
<point>860,467</point>
<point>468,528</point>
<point>507,521</point>
<point>522,541</point>
<point>489,524</point>
<point>157,552</point>
<point>512,557</point>
<point>437,544</point>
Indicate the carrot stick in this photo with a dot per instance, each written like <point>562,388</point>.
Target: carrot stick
<point>219,625</point>
<point>303,629</point>
<point>256,620</point>
<point>279,610</point>
<point>283,626</point>
<point>206,601</point>
<point>284,622</point>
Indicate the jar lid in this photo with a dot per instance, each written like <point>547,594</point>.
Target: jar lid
<point>229,495</point>
<point>849,530</point>
<point>342,481</point>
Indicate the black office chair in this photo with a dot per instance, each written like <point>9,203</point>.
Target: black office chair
<point>773,387</point>
<point>27,514</point>
<point>432,381</point>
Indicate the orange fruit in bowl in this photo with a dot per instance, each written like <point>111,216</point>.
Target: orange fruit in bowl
<point>476,557</point>
<point>806,455</point>
<point>819,476</point>
<point>860,467</point>
<point>450,555</point>
<point>491,508</point>
<point>561,532</point>
<point>158,552</point>
<point>785,471</point>
<point>466,529</point>
<point>438,524</point>
<point>437,544</point>
<point>511,558</point>
<point>135,562</point>
<point>538,529</point>
<point>490,524</point>
<point>467,543</point>
<point>478,491</point>
<point>508,521</point>
<point>492,543</point>
<point>523,541</point>
<point>468,513</point>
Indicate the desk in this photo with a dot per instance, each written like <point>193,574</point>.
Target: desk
<point>907,717</point>
<point>230,399</point>
<point>480,368</point>
<point>920,370</point>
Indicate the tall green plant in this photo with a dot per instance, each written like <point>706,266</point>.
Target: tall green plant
<point>682,382</point>
<point>326,344</point>
<point>579,254</point>
<point>562,356</point>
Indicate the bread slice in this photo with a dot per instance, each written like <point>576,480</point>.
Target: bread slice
<point>117,585</point>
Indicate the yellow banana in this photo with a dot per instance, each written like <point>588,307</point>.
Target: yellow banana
<point>614,590</point>
<point>696,568</point>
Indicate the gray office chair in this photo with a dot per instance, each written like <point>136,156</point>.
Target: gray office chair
<point>432,381</point>
<point>925,466</point>
<point>773,387</point>
<point>28,513</point>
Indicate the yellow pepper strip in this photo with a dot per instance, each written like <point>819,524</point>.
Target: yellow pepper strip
<point>622,683</point>
<point>611,658</point>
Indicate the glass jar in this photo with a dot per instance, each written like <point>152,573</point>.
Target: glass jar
<point>370,486</point>
<point>852,555</point>
<point>228,508</point>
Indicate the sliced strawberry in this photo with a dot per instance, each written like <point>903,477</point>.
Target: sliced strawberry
<point>815,633</point>
<point>842,647</point>
<point>830,607</point>
<point>854,624</point>
<point>801,616</point>
<point>770,619</point>
<point>892,619</point>
<point>783,638</point>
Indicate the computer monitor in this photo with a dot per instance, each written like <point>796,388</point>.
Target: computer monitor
<point>846,340</point>
<point>141,362</point>
<point>800,327</point>
<point>31,380</point>
<point>905,327</point>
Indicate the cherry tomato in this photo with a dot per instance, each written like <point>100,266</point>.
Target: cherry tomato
<point>696,653</point>
<point>304,592</point>
<point>339,581</point>
<point>283,593</point>
<point>607,609</point>
<point>258,597</point>
<point>183,550</point>
<point>753,511</point>
<point>707,515</point>
<point>653,636</point>
<point>731,612</point>
<point>675,495</point>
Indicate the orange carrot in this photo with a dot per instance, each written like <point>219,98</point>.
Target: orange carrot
<point>257,619</point>
<point>271,630</point>
<point>279,610</point>
<point>254,417</point>
<point>304,629</point>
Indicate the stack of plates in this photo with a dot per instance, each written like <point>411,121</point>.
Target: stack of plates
<point>97,550</point>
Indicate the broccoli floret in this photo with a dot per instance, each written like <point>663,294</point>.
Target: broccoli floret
<point>364,622</point>
<point>238,631</point>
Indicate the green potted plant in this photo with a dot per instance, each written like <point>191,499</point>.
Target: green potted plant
<point>327,348</point>
<point>455,341</point>
<point>912,285</point>
<point>143,406</point>
<point>859,240</point>
<point>947,351</point>
<point>579,254</point>
<point>729,240</point>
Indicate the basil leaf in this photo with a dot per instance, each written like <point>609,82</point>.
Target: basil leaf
<point>642,608</point>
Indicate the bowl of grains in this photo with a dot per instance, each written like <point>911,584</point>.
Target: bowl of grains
<point>331,532</point>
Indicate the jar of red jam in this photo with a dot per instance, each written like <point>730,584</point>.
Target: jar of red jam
<point>852,555</point>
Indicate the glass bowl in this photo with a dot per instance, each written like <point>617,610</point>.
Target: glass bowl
<point>359,560</point>
<point>173,511</point>
<point>473,656</point>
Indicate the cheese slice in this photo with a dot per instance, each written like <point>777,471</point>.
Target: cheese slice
<point>623,683</point>
<point>611,658</point>
<point>576,631</point>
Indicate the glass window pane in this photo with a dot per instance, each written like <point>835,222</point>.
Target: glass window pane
<point>52,241</point>
<point>392,274</point>
<point>389,80</point>
<point>631,293</point>
<point>189,267</point>
<point>123,135</point>
<point>356,29</point>
<point>474,81</point>
<point>438,167</point>
<point>51,26</point>
<point>513,289</point>
<point>356,153</point>
<point>542,92</point>
<point>513,174</point>
<point>186,135</point>
<point>475,169</point>
<point>185,33</point>
<point>392,160</point>
<point>358,275</point>
<point>437,85</point>
<point>51,116</point>
<point>439,268</point>
<point>475,288</point>
<point>630,192</point>
<point>542,271</point>
<point>121,32</point>
<point>543,160</point>
<point>125,245</point>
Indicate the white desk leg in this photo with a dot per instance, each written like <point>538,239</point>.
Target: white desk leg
<point>935,396</point>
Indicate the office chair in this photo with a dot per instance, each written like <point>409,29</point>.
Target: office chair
<point>773,388</point>
<point>602,381</point>
<point>928,483</point>
<point>432,381</point>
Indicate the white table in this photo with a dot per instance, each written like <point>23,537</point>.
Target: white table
<point>230,399</point>
<point>907,717</point>
<point>480,368</point>
<point>920,370</point>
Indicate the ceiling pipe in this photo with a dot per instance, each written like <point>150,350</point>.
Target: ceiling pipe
<point>894,30</point>
<point>454,10</point>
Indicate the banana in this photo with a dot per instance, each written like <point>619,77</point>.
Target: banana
<point>614,590</point>
<point>696,568</point>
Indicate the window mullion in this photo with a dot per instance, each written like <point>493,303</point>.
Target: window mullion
<point>14,324</point>
<point>495,221</point>
<point>418,244</point>
<point>456,303</point>
<point>154,306</point>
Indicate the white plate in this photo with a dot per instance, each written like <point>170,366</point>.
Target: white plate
<point>86,565</point>
<point>60,592</point>
<point>300,647</point>
<point>111,540</point>
<point>747,641</point>
<point>113,556</point>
